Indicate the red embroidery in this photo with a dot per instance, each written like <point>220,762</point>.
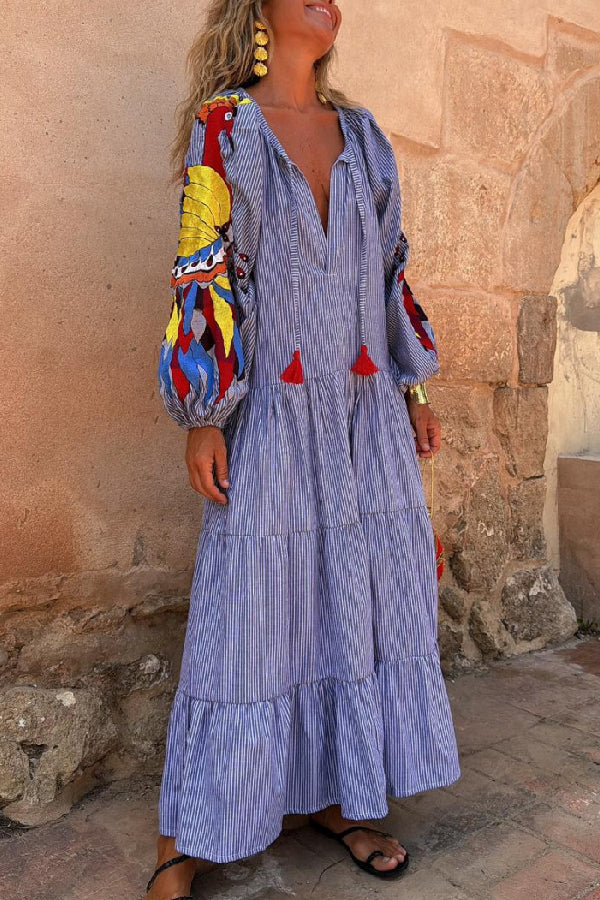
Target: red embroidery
<point>416,313</point>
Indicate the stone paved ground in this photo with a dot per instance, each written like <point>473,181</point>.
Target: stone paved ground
<point>522,823</point>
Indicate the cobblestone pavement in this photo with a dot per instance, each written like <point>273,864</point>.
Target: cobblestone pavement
<point>522,823</point>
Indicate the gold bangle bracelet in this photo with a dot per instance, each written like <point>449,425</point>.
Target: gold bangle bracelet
<point>418,393</point>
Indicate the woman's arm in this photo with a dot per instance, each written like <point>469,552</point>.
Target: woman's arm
<point>208,346</point>
<point>204,365</point>
<point>411,339</point>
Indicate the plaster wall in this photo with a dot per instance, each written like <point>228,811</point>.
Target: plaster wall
<point>574,395</point>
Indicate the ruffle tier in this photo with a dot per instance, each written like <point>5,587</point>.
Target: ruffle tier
<point>233,770</point>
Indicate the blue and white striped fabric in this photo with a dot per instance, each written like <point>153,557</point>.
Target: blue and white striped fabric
<point>311,671</point>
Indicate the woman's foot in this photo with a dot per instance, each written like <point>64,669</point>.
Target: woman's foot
<point>176,881</point>
<point>362,843</point>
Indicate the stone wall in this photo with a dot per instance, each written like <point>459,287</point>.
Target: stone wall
<point>573,395</point>
<point>495,121</point>
<point>519,150</point>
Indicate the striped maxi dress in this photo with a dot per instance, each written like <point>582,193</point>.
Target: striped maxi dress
<point>311,672</point>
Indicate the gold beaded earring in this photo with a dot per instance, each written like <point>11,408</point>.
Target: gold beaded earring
<point>260,40</point>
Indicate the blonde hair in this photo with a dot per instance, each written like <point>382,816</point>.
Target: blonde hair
<point>222,57</point>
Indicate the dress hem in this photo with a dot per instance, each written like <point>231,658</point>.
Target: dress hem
<point>233,770</point>
<point>193,850</point>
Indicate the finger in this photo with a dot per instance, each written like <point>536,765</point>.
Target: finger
<point>221,467</point>
<point>195,476</point>
<point>435,435</point>
<point>422,436</point>
<point>208,483</point>
<point>195,481</point>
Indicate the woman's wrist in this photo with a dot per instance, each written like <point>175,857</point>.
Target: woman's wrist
<point>417,393</point>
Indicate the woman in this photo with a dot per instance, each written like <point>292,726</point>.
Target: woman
<point>295,359</point>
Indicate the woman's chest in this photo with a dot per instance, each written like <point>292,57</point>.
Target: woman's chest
<point>292,227</point>
<point>313,144</point>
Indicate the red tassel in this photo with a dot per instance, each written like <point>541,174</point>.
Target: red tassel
<point>364,365</point>
<point>439,555</point>
<point>293,373</point>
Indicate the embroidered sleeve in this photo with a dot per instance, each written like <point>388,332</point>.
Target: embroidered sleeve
<point>411,338</point>
<point>207,349</point>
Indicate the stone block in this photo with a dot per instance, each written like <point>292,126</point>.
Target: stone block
<point>530,779</point>
<point>486,630</point>
<point>453,211</point>
<point>478,562</point>
<point>571,49</point>
<point>452,476</point>
<point>585,717</point>
<point>526,502</point>
<point>583,744</point>
<point>504,800</point>
<point>534,607</point>
<point>466,414</point>
<point>495,103</point>
<point>475,337</point>
<point>453,602</point>
<point>521,422</point>
<point>536,339</point>
<point>565,829</point>
<point>55,735</point>
<point>420,884</point>
<point>575,137</point>
<point>561,170</point>
<point>450,638</point>
<point>531,246</point>
<point>435,821</point>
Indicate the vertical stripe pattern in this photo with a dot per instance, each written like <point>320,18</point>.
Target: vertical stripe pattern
<point>311,671</point>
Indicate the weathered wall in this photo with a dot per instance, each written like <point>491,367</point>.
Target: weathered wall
<point>574,395</point>
<point>494,111</point>
<point>572,508</point>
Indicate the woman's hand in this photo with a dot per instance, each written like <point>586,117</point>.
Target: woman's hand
<point>427,426</point>
<point>206,449</point>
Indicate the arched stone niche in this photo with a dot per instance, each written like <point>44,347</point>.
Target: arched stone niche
<point>561,169</point>
<point>572,504</point>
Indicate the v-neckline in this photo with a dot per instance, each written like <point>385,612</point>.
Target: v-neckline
<point>325,237</point>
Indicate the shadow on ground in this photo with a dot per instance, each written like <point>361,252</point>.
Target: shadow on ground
<point>523,821</point>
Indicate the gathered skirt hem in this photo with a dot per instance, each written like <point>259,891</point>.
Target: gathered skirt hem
<point>234,770</point>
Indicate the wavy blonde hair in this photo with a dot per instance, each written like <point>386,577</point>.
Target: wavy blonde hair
<point>222,57</point>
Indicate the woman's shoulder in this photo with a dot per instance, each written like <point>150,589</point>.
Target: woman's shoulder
<point>369,126</point>
<point>225,105</point>
<point>376,148</point>
<point>225,119</point>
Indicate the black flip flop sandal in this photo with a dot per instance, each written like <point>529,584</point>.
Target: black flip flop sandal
<point>165,865</point>
<point>364,863</point>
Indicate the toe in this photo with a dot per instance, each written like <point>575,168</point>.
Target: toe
<point>385,862</point>
<point>395,848</point>
<point>394,854</point>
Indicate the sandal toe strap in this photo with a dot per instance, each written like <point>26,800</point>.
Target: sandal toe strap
<point>346,831</point>
<point>166,865</point>
<point>372,856</point>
